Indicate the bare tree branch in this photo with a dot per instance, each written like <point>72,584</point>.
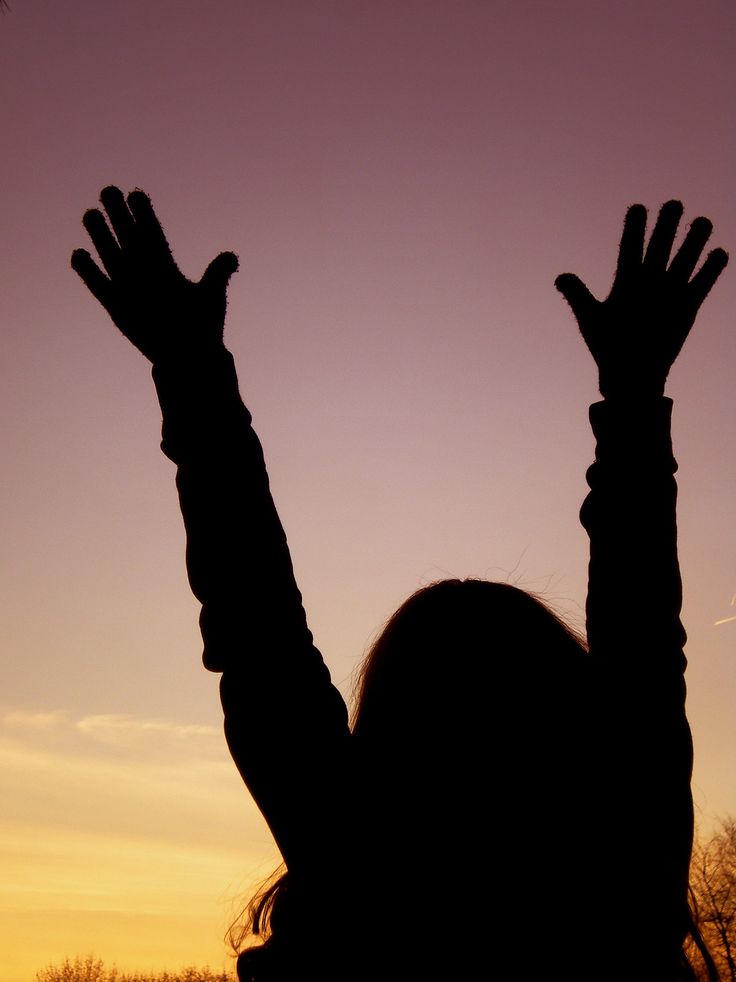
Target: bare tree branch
<point>713,879</point>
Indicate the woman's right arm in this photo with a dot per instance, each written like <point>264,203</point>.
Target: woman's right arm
<point>635,635</point>
<point>634,336</point>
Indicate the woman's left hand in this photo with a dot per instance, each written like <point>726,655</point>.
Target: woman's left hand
<point>165,315</point>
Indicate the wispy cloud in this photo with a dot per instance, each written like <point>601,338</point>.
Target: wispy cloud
<point>20,720</point>
<point>120,730</point>
<point>727,620</point>
<point>117,723</point>
<point>158,738</point>
<point>142,777</point>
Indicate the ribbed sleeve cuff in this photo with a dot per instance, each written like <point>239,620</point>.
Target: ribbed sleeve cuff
<point>200,401</point>
<point>629,429</point>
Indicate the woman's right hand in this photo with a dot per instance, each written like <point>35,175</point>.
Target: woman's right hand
<point>165,315</point>
<point>637,332</point>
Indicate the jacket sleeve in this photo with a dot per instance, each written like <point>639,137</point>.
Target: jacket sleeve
<point>285,723</point>
<point>636,644</point>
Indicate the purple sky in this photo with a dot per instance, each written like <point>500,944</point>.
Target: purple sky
<point>402,182</point>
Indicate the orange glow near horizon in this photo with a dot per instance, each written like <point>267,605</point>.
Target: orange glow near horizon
<point>141,847</point>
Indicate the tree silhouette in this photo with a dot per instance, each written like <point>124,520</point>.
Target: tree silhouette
<point>713,880</point>
<point>92,969</point>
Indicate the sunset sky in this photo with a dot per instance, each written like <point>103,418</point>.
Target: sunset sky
<point>402,180</point>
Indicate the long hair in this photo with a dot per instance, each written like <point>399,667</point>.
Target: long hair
<point>452,651</point>
<point>446,640</point>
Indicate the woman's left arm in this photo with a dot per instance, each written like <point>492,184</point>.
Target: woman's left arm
<point>286,724</point>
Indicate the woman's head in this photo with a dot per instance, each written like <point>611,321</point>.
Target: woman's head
<point>461,654</point>
<point>469,718</point>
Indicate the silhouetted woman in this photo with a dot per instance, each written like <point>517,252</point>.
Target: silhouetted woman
<point>510,803</point>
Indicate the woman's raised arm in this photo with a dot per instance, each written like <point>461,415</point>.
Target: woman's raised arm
<point>634,336</point>
<point>285,723</point>
<point>634,631</point>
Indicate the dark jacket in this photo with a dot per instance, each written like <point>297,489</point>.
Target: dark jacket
<point>607,895</point>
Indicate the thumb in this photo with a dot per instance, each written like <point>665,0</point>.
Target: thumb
<point>215,278</point>
<point>581,300</point>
